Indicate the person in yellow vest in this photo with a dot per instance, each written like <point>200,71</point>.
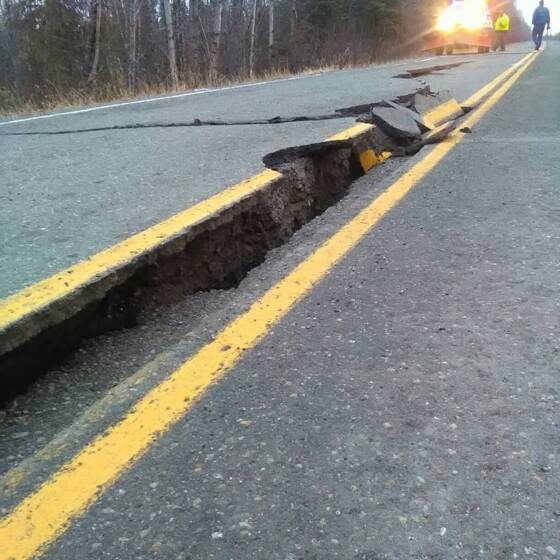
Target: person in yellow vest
<point>501,29</point>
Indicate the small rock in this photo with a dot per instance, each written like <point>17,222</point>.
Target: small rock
<point>442,531</point>
<point>217,535</point>
<point>466,130</point>
<point>545,468</point>
<point>551,550</point>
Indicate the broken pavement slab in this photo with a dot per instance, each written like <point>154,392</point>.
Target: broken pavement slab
<point>47,321</point>
<point>436,135</point>
<point>418,117</point>
<point>437,108</point>
<point>396,123</point>
<point>210,245</point>
<point>415,120</point>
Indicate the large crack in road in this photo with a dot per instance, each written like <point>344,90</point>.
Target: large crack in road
<point>342,113</point>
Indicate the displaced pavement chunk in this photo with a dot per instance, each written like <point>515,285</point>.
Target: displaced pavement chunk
<point>396,123</point>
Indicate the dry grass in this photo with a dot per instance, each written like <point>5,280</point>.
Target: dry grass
<point>77,98</point>
<point>14,107</point>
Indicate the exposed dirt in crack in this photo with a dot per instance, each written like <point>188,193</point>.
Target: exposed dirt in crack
<point>216,254</point>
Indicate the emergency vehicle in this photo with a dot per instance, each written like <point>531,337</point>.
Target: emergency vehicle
<point>464,24</point>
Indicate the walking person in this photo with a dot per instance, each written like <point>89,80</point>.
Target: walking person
<point>541,19</point>
<point>501,29</point>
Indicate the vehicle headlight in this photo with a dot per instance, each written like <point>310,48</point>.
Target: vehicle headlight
<point>475,14</point>
<point>445,22</point>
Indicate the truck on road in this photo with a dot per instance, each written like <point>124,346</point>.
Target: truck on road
<point>464,24</point>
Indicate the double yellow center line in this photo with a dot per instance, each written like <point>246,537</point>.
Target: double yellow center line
<point>45,514</point>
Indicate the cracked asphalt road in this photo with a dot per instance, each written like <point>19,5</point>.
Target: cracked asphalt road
<point>75,195</point>
<point>407,408</point>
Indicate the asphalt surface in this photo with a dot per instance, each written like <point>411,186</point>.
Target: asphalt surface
<point>67,197</point>
<point>407,408</point>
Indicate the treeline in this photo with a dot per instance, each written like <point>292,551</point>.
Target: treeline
<point>70,50</point>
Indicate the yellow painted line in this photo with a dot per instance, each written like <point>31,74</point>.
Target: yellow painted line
<point>451,108</point>
<point>352,132</point>
<point>482,93</point>
<point>122,394</point>
<point>41,294</point>
<point>369,159</point>
<point>443,113</point>
<point>45,514</point>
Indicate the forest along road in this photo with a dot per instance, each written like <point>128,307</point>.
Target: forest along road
<point>67,197</point>
<point>384,386</point>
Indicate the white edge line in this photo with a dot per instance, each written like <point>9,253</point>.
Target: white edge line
<point>152,99</point>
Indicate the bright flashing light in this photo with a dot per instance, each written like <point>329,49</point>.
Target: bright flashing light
<point>470,14</point>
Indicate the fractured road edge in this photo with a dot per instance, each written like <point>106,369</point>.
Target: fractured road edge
<point>47,512</point>
<point>209,245</point>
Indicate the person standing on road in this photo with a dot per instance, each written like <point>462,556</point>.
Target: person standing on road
<point>501,29</point>
<point>541,19</point>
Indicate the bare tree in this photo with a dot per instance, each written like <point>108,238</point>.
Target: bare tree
<point>194,35</point>
<point>131,47</point>
<point>51,48</point>
<point>217,9</point>
<point>252,39</point>
<point>171,44</point>
<point>293,16</point>
<point>270,33</point>
<point>237,51</point>
<point>95,41</point>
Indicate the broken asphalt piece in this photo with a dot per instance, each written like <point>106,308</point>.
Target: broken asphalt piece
<point>397,123</point>
<point>426,100</point>
<point>275,160</point>
<point>432,137</point>
<point>437,134</point>
<point>355,110</point>
<point>407,100</point>
<point>420,121</point>
<point>441,107</point>
<point>417,72</point>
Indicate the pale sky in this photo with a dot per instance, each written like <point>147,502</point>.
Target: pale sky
<point>528,6</point>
